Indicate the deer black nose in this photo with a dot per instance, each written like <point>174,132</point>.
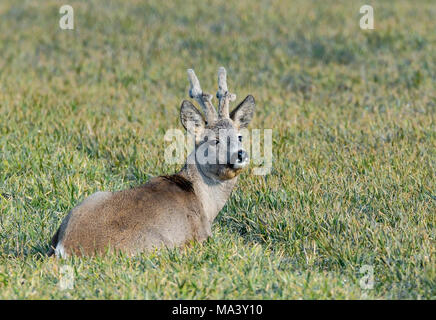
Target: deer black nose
<point>239,159</point>
<point>240,155</point>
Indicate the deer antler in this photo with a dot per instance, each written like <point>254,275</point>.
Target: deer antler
<point>223,94</point>
<point>204,99</point>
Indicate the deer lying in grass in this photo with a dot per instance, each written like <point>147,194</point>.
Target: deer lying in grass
<point>168,210</point>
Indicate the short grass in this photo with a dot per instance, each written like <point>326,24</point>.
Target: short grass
<point>354,140</point>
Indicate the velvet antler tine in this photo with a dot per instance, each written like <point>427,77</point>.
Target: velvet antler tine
<point>204,99</point>
<point>223,95</point>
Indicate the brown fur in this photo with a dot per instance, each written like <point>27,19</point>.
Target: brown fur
<point>181,182</point>
<point>162,208</point>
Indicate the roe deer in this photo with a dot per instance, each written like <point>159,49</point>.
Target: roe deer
<point>167,210</point>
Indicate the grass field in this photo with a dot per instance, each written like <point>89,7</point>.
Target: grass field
<point>353,117</point>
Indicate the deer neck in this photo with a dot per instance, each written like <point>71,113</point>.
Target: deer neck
<point>213,194</point>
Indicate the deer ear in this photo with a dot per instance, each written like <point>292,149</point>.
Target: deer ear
<point>191,118</point>
<point>243,113</point>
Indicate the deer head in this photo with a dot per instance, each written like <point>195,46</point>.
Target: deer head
<point>219,152</point>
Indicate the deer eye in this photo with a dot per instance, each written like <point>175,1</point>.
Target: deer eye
<point>240,138</point>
